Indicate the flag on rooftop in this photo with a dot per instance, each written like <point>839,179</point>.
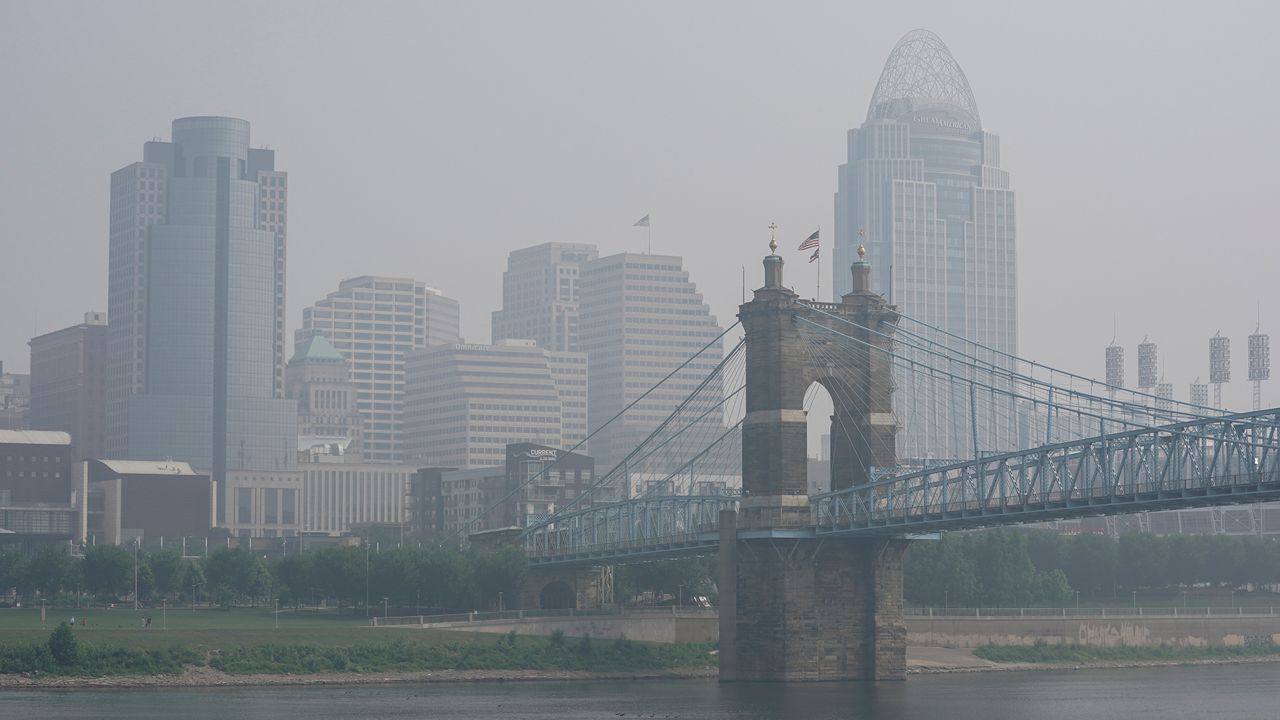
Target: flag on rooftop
<point>809,242</point>
<point>642,222</point>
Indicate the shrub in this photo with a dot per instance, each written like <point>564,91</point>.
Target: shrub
<point>63,645</point>
<point>557,638</point>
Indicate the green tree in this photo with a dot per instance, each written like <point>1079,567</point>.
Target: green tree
<point>13,571</point>
<point>236,574</point>
<point>341,573</point>
<point>51,569</point>
<point>442,578</point>
<point>1004,571</point>
<point>940,573</point>
<point>1090,564</point>
<point>1142,560</point>
<point>503,571</point>
<point>63,646</point>
<point>167,567</point>
<point>107,570</point>
<point>1052,589</point>
<point>294,577</point>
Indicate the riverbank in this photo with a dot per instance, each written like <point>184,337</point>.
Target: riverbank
<point>203,676</point>
<point>936,660</point>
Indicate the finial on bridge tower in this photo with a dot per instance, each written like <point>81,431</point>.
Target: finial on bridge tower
<point>862,268</point>
<point>773,261</point>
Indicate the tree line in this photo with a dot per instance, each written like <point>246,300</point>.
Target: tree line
<point>1024,568</point>
<point>428,579</point>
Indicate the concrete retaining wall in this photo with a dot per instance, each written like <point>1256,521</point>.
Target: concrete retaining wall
<point>964,632</point>
<point>1193,631</point>
<point>653,628</point>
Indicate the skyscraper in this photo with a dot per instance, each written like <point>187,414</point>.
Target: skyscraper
<point>195,303</point>
<point>640,318</point>
<point>465,403</point>
<point>922,188</point>
<point>68,377</point>
<point>318,378</point>
<point>540,295</point>
<point>373,322</point>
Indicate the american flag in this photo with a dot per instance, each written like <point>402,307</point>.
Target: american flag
<point>814,256</point>
<point>809,242</point>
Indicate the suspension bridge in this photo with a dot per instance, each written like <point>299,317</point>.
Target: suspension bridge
<point>930,432</point>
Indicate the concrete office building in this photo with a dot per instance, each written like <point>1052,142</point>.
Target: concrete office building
<point>640,317</point>
<point>465,403</point>
<point>923,190</point>
<point>68,384</point>
<point>373,322</point>
<point>144,500</point>
<point>540,295</point>
<point>195,303</point>
<point>318,497</point>
<point>37,498</point>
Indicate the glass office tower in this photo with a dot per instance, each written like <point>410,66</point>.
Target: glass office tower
<point>922,188</point>
<point>200,380</point>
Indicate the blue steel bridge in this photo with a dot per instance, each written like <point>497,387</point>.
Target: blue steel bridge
<point>810,585</point>
<point>1100,451</point>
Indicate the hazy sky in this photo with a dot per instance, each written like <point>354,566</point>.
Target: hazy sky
<point>430,139</point>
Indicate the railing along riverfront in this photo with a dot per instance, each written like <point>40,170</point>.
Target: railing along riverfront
<point>500,615</point>
<point>1164,611</point>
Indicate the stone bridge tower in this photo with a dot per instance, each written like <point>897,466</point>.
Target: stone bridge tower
<point>795,607</point>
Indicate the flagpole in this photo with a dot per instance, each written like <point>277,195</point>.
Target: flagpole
<point>649,231</point>
<point>819,297</point>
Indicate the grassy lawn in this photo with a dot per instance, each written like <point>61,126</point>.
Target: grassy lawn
<point>202,629</point>
<point>246,641</point>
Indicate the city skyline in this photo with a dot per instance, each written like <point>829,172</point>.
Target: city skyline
<point>1146,248</point>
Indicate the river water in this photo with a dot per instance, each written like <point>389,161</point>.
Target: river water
<point>1243,691</point>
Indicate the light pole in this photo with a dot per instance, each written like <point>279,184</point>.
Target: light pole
<point>946,599</point>
<point>275,603</point>
<point>366,580</point>
<point>1077,600</point>
<point>1184,599</point>
<point>501,607</point>
<point>1233,598</point>
<point>1135,599</point>
<point>135,573</point>
<point>164,614</point>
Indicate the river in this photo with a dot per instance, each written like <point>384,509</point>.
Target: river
<point>1241,691</point>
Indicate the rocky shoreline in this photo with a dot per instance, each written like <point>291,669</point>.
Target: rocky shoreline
<point>943,661</point>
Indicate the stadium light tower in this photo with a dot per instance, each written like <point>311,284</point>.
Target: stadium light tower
<point>1219,365</point>
<point>1200,393</point>
<point>1259,363</point>
<point>1115,367</point>
<point>1148,365</point>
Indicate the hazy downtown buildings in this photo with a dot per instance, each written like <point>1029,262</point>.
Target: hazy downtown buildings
<point>540,295</point>
<point>922,188</point>
<point>640,317</point>
<point>36,489</point>
<point>195,303</point>
<point>465,403</point>
<point>373,322</point>
<point>68,384</point>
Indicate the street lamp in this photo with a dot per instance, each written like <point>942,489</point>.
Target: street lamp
<point>501,607</point>
<point>1184,599</point>
<point>135,573</point>
<point>366,579</point>
<point>946,599</point>
<point>1135,599</point>
<point>275,603</point>
<point>1077,600</point>
<point>1233,598</point>
<point>384,607</point>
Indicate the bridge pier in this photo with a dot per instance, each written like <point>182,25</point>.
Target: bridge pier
<point>805,609</point>
<point>797,606</point>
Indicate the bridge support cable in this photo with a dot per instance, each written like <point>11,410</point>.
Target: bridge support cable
<point>1161,412</point>
<point>699,433</point>
<point>669,377</point>
<point>922,369</point>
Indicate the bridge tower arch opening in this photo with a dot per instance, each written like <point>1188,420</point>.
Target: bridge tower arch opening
<point>557,595</point>
<point>798,606</point>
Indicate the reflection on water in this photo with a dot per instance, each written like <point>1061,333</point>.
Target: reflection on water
<point>1245,691</point>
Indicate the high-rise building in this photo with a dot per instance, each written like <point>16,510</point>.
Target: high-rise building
<point>318,378</point>
<point>640,318</point>
<point>465,403</point>
<point>373,322</point>
<point>68,379</point>
<point>922,188</point>
<point>540,295</point>
<point>195,303</point>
